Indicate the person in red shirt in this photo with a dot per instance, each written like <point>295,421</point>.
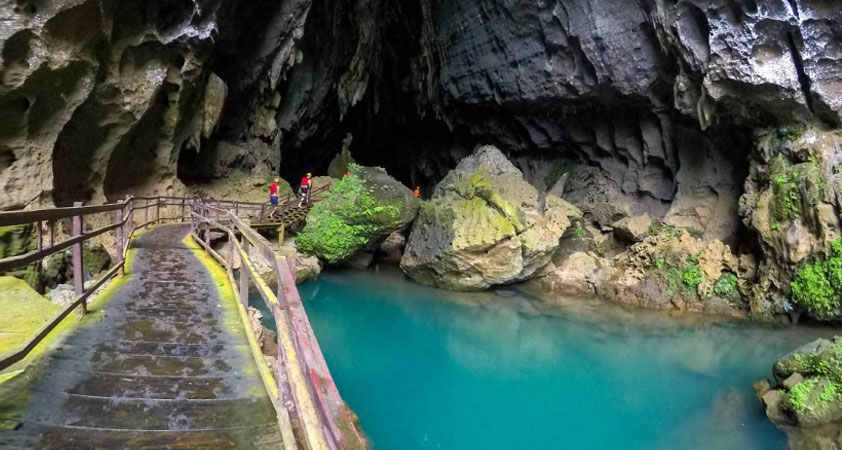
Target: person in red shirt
<point>417,192</point>
<point>274,188</point>
<point>304,189</point>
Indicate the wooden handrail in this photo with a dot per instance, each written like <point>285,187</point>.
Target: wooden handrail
<point>306,388</point>
<point>292,324</point>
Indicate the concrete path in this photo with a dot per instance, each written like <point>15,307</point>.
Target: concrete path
<point>167,366</point>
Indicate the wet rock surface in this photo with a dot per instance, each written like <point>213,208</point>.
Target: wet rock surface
<point>168,364</point>
<point>484,226</point>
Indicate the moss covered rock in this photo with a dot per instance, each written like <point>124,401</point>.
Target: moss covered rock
<point>360,211</point>
<point>807,401</point>
<point>17,240</point>
<point>484,226</point>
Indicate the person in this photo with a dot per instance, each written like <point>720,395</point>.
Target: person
<point>274,188</point>
<point>417,192</point>
<point>304,190</point>
<point>347,173</point>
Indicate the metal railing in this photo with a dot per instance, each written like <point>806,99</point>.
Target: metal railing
<point>307,393</point>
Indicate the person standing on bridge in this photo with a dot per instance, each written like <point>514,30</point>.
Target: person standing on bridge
<point>304,190</point>
<point>274,188</point>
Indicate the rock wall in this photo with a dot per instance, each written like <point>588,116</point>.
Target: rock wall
<point>626,108</point>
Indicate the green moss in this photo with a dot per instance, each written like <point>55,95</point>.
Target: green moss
<point>818,286</point>
<point>725,286</point>
<point>581,232</point>
<point>346,220</point>
<point>792,132</point>
<point>797,398</point>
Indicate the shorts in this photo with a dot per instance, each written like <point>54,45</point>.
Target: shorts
<point>273,199</point>
<point>303,190</point>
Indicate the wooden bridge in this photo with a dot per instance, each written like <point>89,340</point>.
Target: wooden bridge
<point>166,356</point>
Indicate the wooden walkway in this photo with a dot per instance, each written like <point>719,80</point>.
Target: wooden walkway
<point>168,366</point>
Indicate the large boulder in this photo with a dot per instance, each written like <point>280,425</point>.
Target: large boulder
<point>359,212</point>
<point>484,226</point>
<point>806,400</point>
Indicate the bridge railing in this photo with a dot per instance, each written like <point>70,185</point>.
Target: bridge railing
<point>47,223</point>
<point>307,394</point>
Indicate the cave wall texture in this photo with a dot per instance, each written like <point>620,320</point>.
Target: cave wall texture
<point>660,98</point>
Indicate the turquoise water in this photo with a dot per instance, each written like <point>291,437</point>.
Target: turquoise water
<point>429,369</point>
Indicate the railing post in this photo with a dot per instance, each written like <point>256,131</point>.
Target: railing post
<point>78,271</point>
<point>40,236</point>
<point>158,209</point>
<point>119,232</point>
<point>130,220</point>
<point>183,217</point>
<point>52,226</point>
<point>237,209</point>
<point>145,212</point>
<point>260,216</point>
<point>244,276</point>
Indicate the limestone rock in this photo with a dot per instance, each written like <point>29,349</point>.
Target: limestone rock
<point>673,269</point>
<point>484,226</point>
<point>806,404</point>
<point>579,275</point>
<point>391,250</point>
<point>361,210</point>
<point>341,162</point>
<point>790,197</point>
<point>633,229</point>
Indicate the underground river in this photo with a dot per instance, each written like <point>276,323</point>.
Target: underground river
<point>432,369</point>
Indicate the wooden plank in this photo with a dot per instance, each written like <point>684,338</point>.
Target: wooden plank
<point>30,216</point>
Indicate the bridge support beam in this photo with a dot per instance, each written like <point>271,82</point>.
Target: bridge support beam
<point>244,276</point>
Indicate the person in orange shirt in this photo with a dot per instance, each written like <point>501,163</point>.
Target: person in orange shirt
<point>417,192</point>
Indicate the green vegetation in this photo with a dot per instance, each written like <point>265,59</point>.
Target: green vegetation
<point>786,198</point>
<point>811,399</point>
<point>818,286</point>
<point>797,397</point>
<point>792,132</point>
<point>581,232</point>
<point>793,186</point>
<point>692,275</point>
<point>725,286</point>
<point>347,219</point>
<point>671,231</point>
<point>687,274</point>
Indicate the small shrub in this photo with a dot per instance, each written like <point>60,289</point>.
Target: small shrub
<point>581,233</point>
<point>725,285</point>
<point>692,276</point>
<point>818,286</point>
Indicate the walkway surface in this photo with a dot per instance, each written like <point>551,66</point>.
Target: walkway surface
<point>167,366</point>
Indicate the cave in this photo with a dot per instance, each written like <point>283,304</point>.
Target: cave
<point>542,160</point>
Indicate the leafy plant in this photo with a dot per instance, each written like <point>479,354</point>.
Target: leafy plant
<point>725,285</point>
<point>692,275</point>
<point>581,232</point>
<point>818,286</point>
